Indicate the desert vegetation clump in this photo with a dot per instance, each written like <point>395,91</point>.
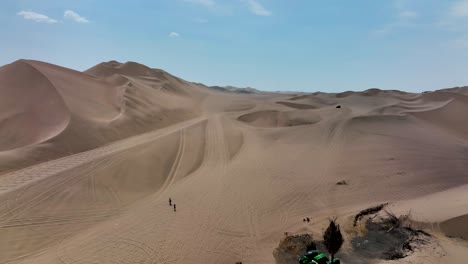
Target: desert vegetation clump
<point>332,239</point>
<point>368,211</point>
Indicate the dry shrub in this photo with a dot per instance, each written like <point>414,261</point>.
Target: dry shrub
<point>291,248</point>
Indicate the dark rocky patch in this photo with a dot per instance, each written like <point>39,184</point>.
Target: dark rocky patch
<point>342,182</point>
<point>388,238</point>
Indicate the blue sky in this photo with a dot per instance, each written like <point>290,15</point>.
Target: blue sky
<point>309,45</point>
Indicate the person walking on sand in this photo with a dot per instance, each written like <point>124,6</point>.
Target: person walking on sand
<point>170,201</point>
<point>175,208</point>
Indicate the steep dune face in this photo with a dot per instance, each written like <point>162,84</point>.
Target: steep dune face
<point>87,97</point>
<point>449,117</point>
<point>31,109</point>
<point>456,227</point>
<point>53,110</point>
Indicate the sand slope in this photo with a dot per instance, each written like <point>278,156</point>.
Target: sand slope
<point>30,114</point>
<point>90,159</point>
<point>59,111</point>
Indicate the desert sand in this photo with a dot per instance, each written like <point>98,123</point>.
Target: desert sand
<point>88,161</point>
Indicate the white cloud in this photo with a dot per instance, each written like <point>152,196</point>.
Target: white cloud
<point>75,17</point>
<point>407,14</point>
<point>404,18</point>
<point>403,12</point>
<point>256,8</point>
<point>201,20</point>
<point>455,17</point>
<point>460,9</point>
<point>202,2</point>
<point>174,35</point>
<point>29,15</point>
<point>461,42</point>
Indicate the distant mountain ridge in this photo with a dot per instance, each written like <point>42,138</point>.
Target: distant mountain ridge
<point>233,89</point>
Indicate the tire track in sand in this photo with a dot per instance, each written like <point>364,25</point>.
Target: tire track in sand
<point>215,162</point>
<point>13,180</point>
<point>177,162</point>
<point>56,173</point>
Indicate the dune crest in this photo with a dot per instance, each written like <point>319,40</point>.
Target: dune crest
<point>107,69</point>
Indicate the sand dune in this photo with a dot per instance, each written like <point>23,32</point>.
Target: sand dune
<point>90,159</point>
<point>449,117</point>
<point>456,227</point>
<point>29,114</point>
<point>106,69</point>
<point>69,111</point>
<point>273,118</point>
<point>460,90</point>
<point>297,106</point>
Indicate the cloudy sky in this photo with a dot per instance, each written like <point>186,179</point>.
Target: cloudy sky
<point>312,45</point>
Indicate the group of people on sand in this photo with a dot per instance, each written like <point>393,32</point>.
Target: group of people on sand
<point>173,205</point>
<point>307,219</point>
